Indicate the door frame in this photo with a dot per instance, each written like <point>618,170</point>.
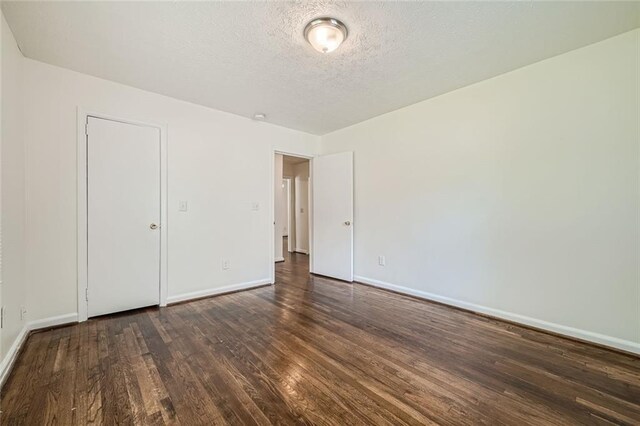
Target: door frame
<point>82,224</point>
<point>272,212</point>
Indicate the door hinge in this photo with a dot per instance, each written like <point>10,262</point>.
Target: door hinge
<point>86,294</point>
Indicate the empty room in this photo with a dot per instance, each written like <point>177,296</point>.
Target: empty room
<point>320,212</point>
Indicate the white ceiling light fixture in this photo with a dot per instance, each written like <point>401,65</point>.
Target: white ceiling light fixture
<point>325,34</point>
<point>259,116</point>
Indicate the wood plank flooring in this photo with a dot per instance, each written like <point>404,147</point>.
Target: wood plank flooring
<point>312,350</point>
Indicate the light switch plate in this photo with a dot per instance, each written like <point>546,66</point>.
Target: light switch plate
<point>183,206</point>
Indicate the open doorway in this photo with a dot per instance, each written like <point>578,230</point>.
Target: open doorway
<point>292,209</point>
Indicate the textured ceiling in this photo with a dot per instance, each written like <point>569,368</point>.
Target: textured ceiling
<point>247,57</point>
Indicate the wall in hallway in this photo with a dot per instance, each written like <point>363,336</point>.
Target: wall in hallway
<point>301,173</point>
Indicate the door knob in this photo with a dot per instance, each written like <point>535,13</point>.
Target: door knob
<point>347,223</point>
<point>153,226</point>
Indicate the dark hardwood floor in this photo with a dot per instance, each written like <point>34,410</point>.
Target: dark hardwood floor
<point>317,351</point>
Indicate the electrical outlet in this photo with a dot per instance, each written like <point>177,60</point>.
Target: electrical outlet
<point>23,313</point>
<point>382,261</point>
<point>255,206</point>
<point>183,206</point>
<point>225,264</point>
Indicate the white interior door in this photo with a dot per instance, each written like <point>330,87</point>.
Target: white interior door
<point>333,215</point>
<point>123,213</point>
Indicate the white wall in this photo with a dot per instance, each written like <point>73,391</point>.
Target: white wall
<point>13,288</point>
<point>517,196</point>
<point>205,148</point>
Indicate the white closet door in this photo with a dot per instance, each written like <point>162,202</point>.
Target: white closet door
<point>123,212</point>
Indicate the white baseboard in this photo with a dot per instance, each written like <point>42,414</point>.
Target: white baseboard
<point>10,358</point>
<point>218,290</point>
<point>12,354</point>
<point>53,321</point>
<point>613,342</point>
<point>278,259</point>
<point>303,251</point>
